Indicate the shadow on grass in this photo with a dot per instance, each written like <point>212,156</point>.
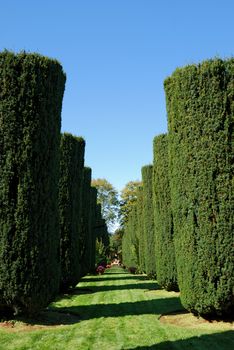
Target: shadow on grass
<point>54,316</point>
<point>217,341</point>
<point>76,291</point>
<point>149,307</point>
<point>44,318</point>
<point>146,286</point>
<point>104,278</point>
<point>116,273</point>
<point>141,285</point>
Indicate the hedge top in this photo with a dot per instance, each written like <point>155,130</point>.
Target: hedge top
<point>34,57</point>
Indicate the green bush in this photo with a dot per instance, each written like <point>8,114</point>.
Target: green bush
<point>148,219</point>
<point>31,92</point>
<point>200,111</point>
<point>163,220</point>
<point>70,205</point>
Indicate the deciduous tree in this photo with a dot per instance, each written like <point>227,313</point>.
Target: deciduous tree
<point>107,196</point>
<point>128,199</point>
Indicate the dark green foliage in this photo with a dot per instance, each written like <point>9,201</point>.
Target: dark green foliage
<point>102,231</point>
<point>70,192</point>
<point>130,244</point>
<point>93,229</point>
<point>102,237</point>
<point>116,244</point>
<point>133,244</point>
<point>31,91</point>
<point>93,226</point>
<point>200,106</point>
<point>148,219</point>
<point>163,221</point>
<point>140,231</point>
<point>86,222</point>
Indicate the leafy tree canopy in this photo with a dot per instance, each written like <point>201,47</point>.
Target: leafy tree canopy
<point>128,199</point>
<point>107,196</point>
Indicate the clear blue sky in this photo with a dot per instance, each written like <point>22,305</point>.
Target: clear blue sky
<point>116,54</point>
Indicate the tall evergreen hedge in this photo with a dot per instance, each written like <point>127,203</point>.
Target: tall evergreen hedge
<point>148,219</point>
<point>70,206</point>
<point>200,107</point>
<point>130,244</point>
<point>102,237</point>
<point>99,226</point>
<point>31,92</point>
<point>93,228</point>
<point>140,231</point>
<point>163,219</point>
<point>86,222</point>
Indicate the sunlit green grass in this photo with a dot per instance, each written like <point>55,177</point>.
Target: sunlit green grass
<point>117,311</point>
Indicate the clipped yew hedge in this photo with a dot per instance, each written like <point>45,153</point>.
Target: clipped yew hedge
<point>140,231</point>
<point>130,245</point>
<point>200,112</point>
<point>70,207</point>
<point>148,220</point>
<point>163,219</point>
<point>92,249</point>
<point>85,224</point>
<point>31,92</point>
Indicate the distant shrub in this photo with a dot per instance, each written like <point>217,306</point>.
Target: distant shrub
<point>100,270</point>
<point>132,269</point>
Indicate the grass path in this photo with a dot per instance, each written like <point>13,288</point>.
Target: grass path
<point>117,311</point>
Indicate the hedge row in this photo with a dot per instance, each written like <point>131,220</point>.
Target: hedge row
<point>41,184</point>
<point>148,220</point>
<point>31,92</point>
<point>70,207</point>
<point>200,106</point>
<point>163,218</point>
<point>101,232</point>
<point>130,241</point>
<point>193,200</point>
